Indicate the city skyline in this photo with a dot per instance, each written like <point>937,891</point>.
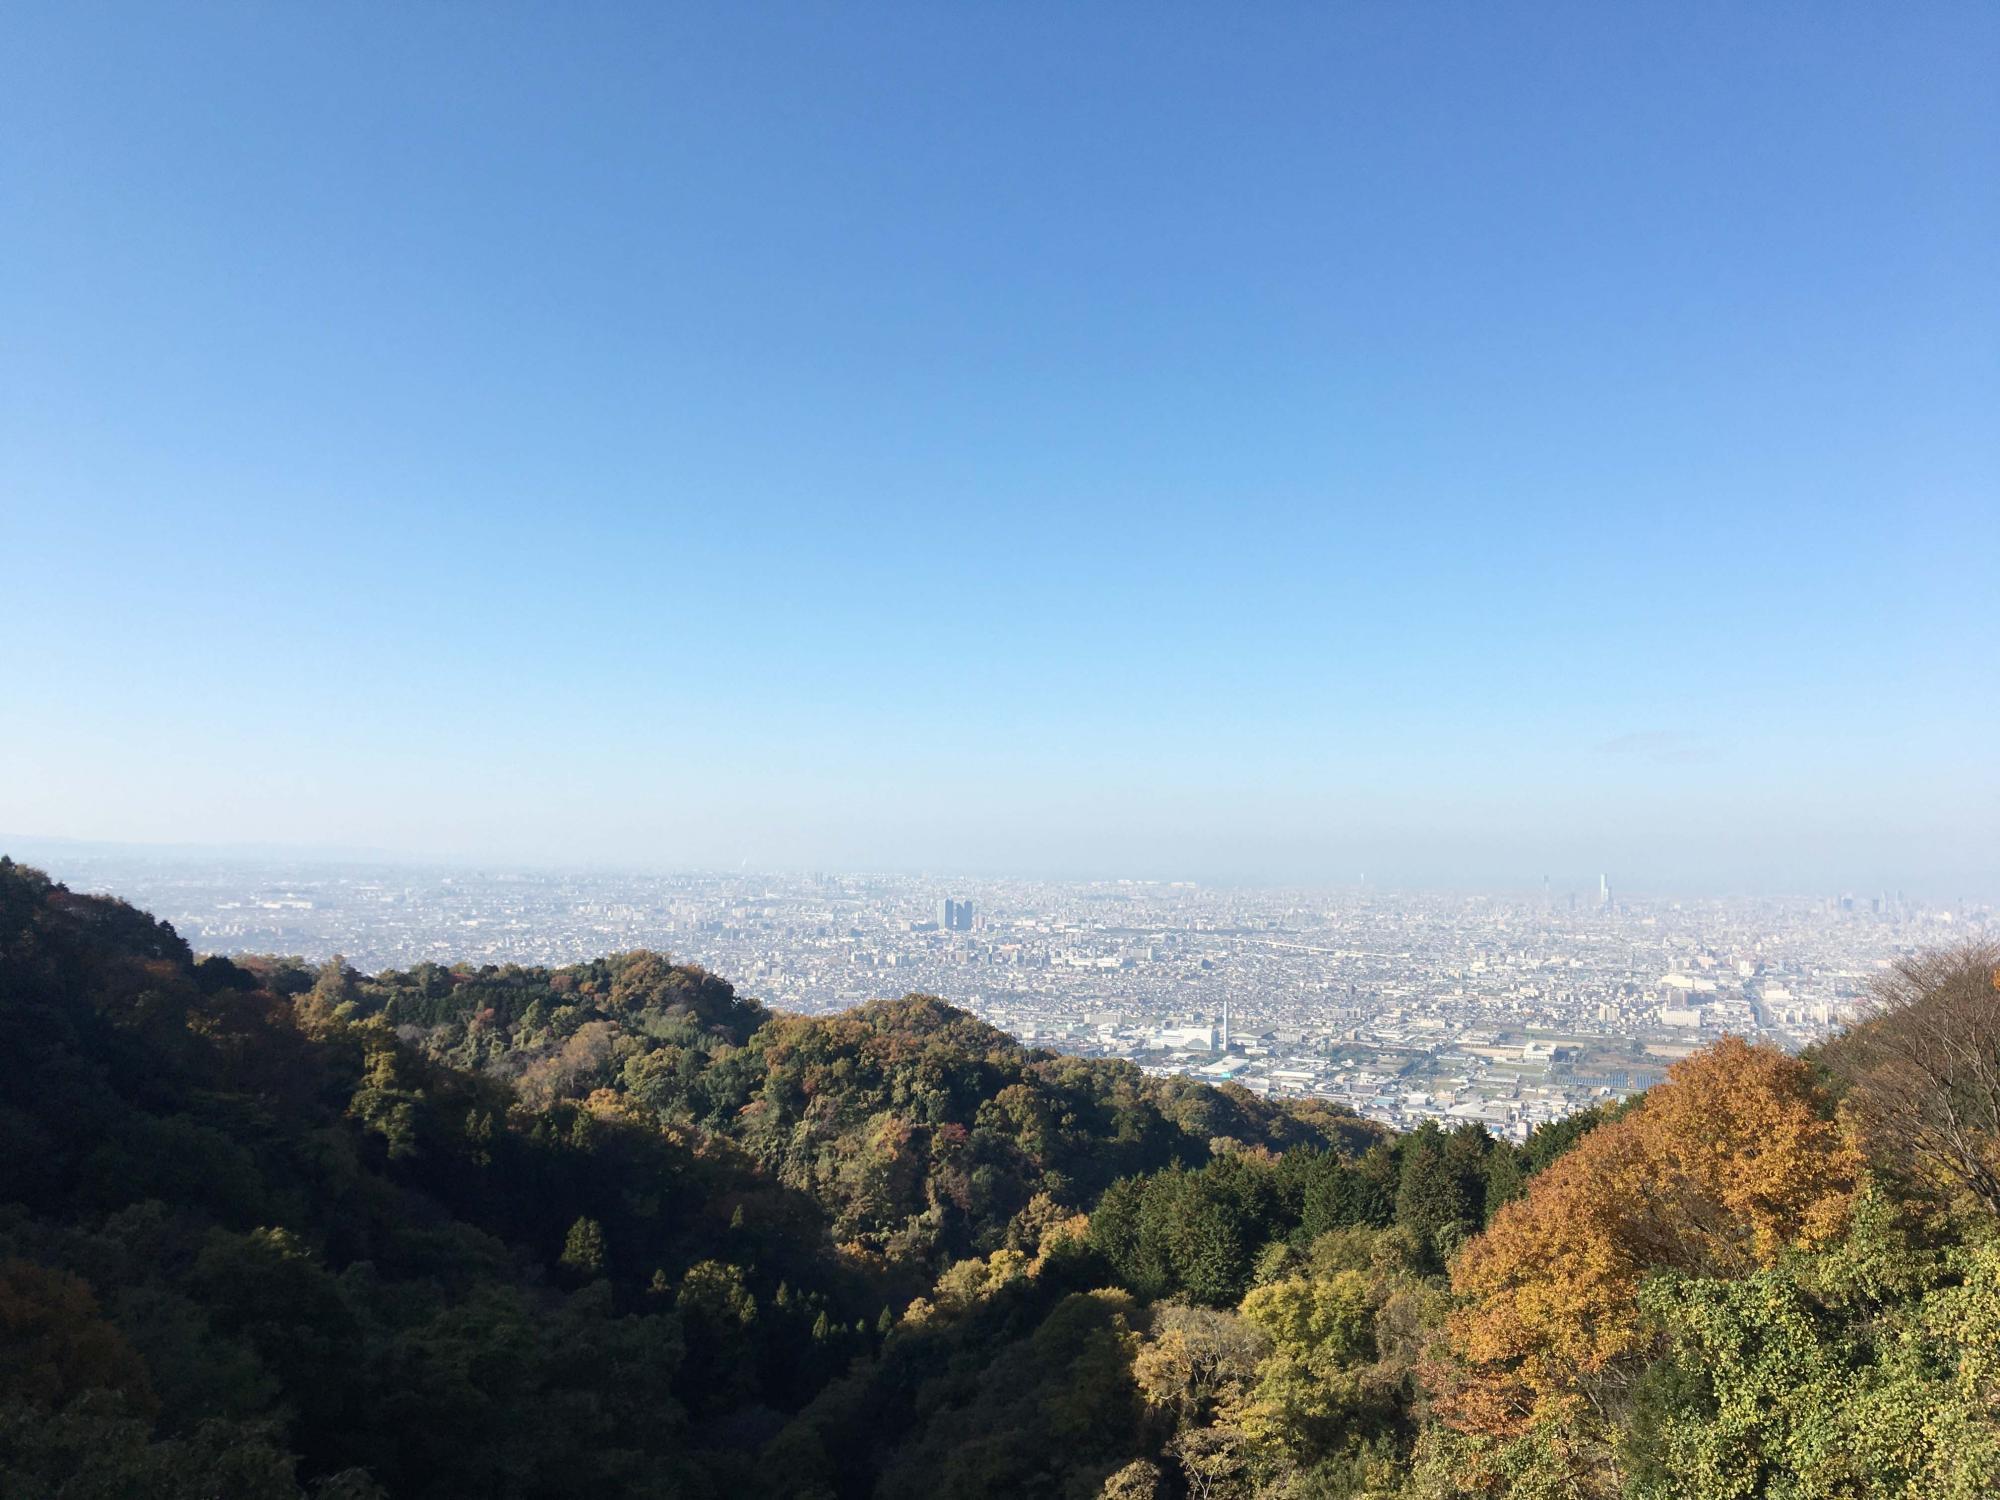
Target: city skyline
<point>1590,887</point>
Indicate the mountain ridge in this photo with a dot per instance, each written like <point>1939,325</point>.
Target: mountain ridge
<point>270,1229</point>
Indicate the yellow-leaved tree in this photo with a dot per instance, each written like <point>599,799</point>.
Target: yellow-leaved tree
<point>1732,1160</point>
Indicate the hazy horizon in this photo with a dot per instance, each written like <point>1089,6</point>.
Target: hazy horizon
<point>1457,445</point>
<point>70,858</point>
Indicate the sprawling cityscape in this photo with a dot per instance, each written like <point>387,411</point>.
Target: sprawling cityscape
<point>1507,1009</point>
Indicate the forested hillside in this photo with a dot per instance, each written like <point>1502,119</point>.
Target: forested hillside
<point>272,1230</point>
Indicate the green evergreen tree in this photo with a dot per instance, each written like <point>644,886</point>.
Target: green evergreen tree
<point>583,1249</point>
<point>1431,1199</point>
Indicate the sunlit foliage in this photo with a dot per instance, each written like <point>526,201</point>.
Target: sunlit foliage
<point>271,1230</point>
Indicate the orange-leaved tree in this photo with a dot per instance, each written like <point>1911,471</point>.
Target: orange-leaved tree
<point>1717,1171</point>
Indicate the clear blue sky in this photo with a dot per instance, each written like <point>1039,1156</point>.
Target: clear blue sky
<point>1458,441</point>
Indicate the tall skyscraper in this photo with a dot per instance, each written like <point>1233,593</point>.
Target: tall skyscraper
<point>1603,893</point>
<point>954,916</point>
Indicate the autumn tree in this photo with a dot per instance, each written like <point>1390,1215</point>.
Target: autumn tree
<point>333,988</point>
<point>1138,1480</point>
<point>1923,1070</point>
<point>1196,1361</point>
<point>1718,1171</point>
<point>55,1343</point>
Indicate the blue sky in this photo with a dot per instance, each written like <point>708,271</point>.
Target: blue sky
<point>1461,442</point>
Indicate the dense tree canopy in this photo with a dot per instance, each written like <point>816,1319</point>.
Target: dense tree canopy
<point>270,1229</point>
